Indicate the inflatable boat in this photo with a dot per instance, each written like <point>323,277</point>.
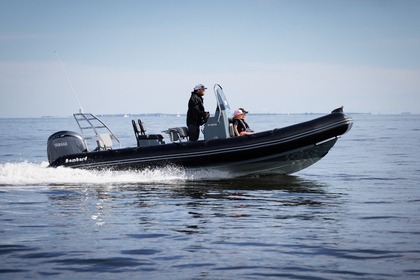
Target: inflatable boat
<point>281,150</point>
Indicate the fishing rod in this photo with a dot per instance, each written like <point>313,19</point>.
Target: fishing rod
<point>68,79</point>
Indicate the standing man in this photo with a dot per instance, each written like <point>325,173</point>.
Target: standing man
<point>196,115</point>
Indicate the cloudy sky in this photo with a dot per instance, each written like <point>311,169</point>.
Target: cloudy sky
<point>270,56</point>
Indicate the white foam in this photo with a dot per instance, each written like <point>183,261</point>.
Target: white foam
<point>37,174</point>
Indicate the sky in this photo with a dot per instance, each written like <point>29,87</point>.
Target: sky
<point>270,56</point>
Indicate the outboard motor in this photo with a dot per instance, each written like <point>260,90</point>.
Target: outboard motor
<point>64,143</point>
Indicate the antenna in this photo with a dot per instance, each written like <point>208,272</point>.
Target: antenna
<point>68,79</point>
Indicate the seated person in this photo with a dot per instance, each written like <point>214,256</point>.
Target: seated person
<point>240,127</point>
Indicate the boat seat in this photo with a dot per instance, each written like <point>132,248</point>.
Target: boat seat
<point>177,134</point>
<point>138,127</point>
<point>231,132</point>
<point>104,142</point>
<point>144,139</point>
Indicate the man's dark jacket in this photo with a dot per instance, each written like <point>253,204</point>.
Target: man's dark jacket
<point>196,114</point>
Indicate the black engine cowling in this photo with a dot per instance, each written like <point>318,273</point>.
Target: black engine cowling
<point>64,143</point>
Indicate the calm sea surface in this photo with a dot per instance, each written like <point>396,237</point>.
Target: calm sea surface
<point>353,215</point>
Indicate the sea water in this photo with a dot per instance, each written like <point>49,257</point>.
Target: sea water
<point>352,215</point>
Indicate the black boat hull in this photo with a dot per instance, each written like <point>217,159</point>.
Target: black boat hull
<point>283,150</point>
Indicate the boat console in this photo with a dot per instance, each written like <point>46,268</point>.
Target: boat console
<point>218,126</point>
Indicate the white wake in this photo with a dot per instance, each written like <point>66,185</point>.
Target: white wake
<point>38,174</point>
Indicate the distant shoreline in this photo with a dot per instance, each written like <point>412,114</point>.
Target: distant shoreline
<point>184,115</point>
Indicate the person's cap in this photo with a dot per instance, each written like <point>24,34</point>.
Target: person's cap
<point>199,86</point>
<point>243,110</point>
<point>239,111</point>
